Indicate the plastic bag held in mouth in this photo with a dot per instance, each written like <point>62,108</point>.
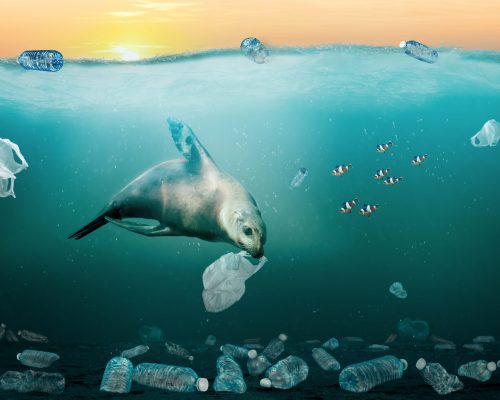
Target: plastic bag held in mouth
<point>9,167</point>
<point>224,280</point>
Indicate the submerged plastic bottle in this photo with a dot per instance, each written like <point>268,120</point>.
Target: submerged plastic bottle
<point>325,360</point>
<point>229,376</point>
<point>2,330</point>
<point>236,351</point>
<point>275,347</point>
<point>436,376</point>
<point>258,364</point>
<point>41,60</point>
<point>37,359</point>
<point>299,177</point>
<point>419,51</point>
<point>32,381</point>
<point>117,376</point>
<point>176,350</point>
<point>32,336</point>
<point>479,370</point>
<point>254,49</point>
<point>286,373</point>
<point>366,375</point>
<point>331,344</point>
<point>168,377</point>
<point>135,351</point>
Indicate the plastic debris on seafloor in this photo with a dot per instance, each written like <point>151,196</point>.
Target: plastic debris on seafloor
<point>489,135</point>
<point>9,167</point>
<point>397,290</point>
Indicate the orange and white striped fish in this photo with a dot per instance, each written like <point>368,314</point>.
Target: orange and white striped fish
<point>381,173</point>
<point>340,170</point>
<point>392,181</point>
<point>367,209</point>
<point>417,160</point>
<point>382,148</point>
<point>347,206</point>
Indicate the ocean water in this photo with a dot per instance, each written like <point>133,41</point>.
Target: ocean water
<point>91,128</point>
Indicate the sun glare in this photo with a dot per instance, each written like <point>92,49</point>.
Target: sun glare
<point>127,55</point>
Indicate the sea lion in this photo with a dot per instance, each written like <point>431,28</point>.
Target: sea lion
<point>188,197</point>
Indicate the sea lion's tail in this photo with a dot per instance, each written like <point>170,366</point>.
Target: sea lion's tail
<point>99,221</point>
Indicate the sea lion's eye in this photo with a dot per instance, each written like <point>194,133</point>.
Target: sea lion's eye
<point>247,231</point>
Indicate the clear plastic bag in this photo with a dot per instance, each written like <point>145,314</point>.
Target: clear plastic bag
<point>9,167</point>
<point>489,135</point>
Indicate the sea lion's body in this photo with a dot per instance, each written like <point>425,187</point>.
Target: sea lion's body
<point>187,197</point>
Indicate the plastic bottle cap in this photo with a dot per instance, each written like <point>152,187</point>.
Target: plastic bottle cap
<point>202,384</point>
<point>402,44</point>
<point>492,366</point>
<point>190,358</point>
<point>265,382</point>
<point>283,337</point>
<point>252,353</point>
<point>405,364</point>
<point>421,363</point>
<point>18,356</point>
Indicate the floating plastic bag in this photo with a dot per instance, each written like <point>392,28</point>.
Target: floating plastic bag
<point>489,135</point>
<point>224,280</point>
<point>9,166</point>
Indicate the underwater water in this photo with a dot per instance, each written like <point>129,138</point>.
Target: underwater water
<point>91,128</point>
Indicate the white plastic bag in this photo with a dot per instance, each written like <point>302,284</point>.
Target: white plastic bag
<point>489,135</point>
<point>9,166</point>
<point>224,280</point>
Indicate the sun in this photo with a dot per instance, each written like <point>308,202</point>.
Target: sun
<point>126,55</point>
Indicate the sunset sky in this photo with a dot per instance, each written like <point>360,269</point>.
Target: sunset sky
<point>132,29</point>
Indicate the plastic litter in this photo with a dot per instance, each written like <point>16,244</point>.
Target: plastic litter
<point>168,377</point>
<point>331,344</point>
<point>378,347</point>
<point>117,376</point>
<point>299,178</point>
<point>325,360</point>
<point>484,339</point>
<point>37,359</point>
<point>236,351</point>
<point>397,290</point>
<point>257,364</point>
<point>32,381</point>
<point>253,49</point>
<point>32,336</point>
<point>474,347</point>
<point>436,376</point>
<point>134,351</point>
<point>179,351</point>
<point>479,370</point>
<point>286,373</point>
<point>41,60</point>
<point>275,347</point>
<point>229,376</point>
<point>9,167</point>
<point>419,51</point>
<point>489,135</point>
<point>445,346</point>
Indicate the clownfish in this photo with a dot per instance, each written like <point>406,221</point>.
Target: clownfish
<point>367,209</point>
<point>347,206</point>
<point>381,173</point>
<point>339,170</point>
<point>417,160</point>
<point>382,148</point>
<point>392,181</point>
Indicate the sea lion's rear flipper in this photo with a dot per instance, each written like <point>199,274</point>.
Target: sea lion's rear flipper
<point>186,142</point>
<point>143,229</point>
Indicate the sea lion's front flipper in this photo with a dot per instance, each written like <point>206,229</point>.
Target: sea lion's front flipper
<point>186,142</point>
<point>143,229</point>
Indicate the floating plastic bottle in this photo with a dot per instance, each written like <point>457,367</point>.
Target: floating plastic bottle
<point>378,347</point>
<point>257,364</point>
<point>489,135</point>
<point>275,347</point>
<point>32,336</point>
<point>397,290</point>
<point>331,344</point>
<point>480,370</point>
<point>134,351</point>
<point>474,347</point>
<point>254,49</point>
<point>484,339</point>
<point>236,351</point>
<point>211,340</point>
<point>229,376</point>
<point>179,351</point>
<point>436,376</point>
<point>325,360</point>
<point>37,359</point>
<point>41,60</point>
<point>168,377</point>
<point>151,334</point>
<point>286,373</point>
<point>419,51</point>
<point>32,381</point>
<point>362,377</point>
<point>299,178</point>
<point>117,376</point>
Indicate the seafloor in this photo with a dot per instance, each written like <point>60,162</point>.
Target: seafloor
<point>83,366</point>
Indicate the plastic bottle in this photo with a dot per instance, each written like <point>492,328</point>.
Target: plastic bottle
<point>325,360</point>
<point>299,178</point>
<point>236,351</point>
<point>11,336</point>
<point>151,334</point>
<point>229,376</point>
<point>211,340</point>
<point>484,339</point>
<point>258,364</point>
<point>37,359</point>
<point>176,350</point>
<point>445,346</point>
<point>377,347</point>
<point>275,347</point>
<point>286,373</point>
<point>32,381</point>
<point>331,344</point>
<point>479,370</point>
<point>32,336</point>
<point>436,376</point>
<point>41,60</point>
<point>117,376</point>
<point>135,351</point>
<point>364,376</point>
<point>419,51</point>
<point>168,377</point>
<point>254,49</point>
<point>474,346</point>
<point>2,330</point>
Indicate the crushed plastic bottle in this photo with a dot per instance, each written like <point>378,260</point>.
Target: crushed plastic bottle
<point>32,336</point>
<point>253,49</point>
<point>397,290</point>
<point>257,364</point>
<point>275,347</point>
<point>325,360</point>
<point>135,351</point>
<point>474,347</point>
<point>9,166</point>
<point>229,376</point>
<point>117,376</point>
<point>168,377</point>
<point>286,373</point>
<point>41,60</point>
<point>236,351</point>
<point>489,135</point>
<point>179,351</point>
<point>299,178</point>
<point>484,339</point>
<point>211,340</point>
<point>224,280</point>
<point>331,344</point>
<point>419,51</point>
<point>37,359</point>
<point>362,377</point>
<point>480,370</point>
<point>32,381</point>
<point>151,334</point>
<point>378,347</point>
<point>436,376</point>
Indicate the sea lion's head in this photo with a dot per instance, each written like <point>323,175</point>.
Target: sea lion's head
<point>247,230</point>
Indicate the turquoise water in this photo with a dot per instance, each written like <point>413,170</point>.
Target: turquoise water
<point>89,129</point>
